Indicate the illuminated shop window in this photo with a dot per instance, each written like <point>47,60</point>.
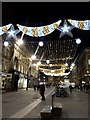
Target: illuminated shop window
<point>88,61</point>
<point>18,67</point>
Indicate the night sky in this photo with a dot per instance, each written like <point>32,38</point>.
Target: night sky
<point>39,14</point>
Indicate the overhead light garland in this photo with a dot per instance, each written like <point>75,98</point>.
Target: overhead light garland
<point>4,29</point>
<point>55,74</point>
<point>45,30</point>
<point>83,25</point>
<point>55,71</point>
<point>65,29</point>
<point>39,31</point>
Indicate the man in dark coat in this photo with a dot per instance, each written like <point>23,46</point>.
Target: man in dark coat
<point>42,90</point>
<point>70,88</point>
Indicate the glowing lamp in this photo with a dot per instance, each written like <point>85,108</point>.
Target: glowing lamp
<point>47,61</point>
<point>78,41</point>
<point>40,43</point>
<point>6,43</point>
<point>33,57</point>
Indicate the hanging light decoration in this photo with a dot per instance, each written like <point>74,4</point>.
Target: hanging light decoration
<point>50,65</point>
<point>19,42</point>
<point>66,64</point>
<point>12,33</point>
<point>6,43</point>
<point>80,24</point>
<point>39,63</point>
<point>4,29</point>
<point>47,61</point>
<point>33,57</point>
<point>39,31</point>
<point>65,29</point>
<point>40,43</point>
<point>78,41</point>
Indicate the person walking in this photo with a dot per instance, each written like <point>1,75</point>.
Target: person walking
<point>70,88</point>
<point>42,91</point>
<point>34,87</point>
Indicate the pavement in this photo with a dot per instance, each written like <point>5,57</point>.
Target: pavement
<point>28,104</point>
<point>18,104</point>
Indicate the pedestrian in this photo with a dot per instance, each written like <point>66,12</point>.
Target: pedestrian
<point>84,87</point>
<point>34,87</point>
<point>38,87</point>
<point>42,91</point>
<point>70,88</point>
<point>16,78</point>
<point>81,88</point>
<point>16,85</point>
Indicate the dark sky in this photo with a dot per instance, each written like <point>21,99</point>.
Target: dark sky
<point>37,14</point>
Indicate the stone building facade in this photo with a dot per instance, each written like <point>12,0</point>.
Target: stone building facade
<point>81,71</point>
<point>15,62</point>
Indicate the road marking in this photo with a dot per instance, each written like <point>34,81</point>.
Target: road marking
<point>28,108</point>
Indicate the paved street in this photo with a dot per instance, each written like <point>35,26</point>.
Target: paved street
<point>28,104</point>
<point>13,102</point>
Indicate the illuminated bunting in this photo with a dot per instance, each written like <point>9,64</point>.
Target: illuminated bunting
<point>4,29</point>
<point>39,31</point>
<point>84,25</point>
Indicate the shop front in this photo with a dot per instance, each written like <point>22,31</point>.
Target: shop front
<point>6,83</point>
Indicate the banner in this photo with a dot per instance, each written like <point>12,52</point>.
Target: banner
<point>4,29</point>
<point>83,25</point>
<point>39,31</point>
